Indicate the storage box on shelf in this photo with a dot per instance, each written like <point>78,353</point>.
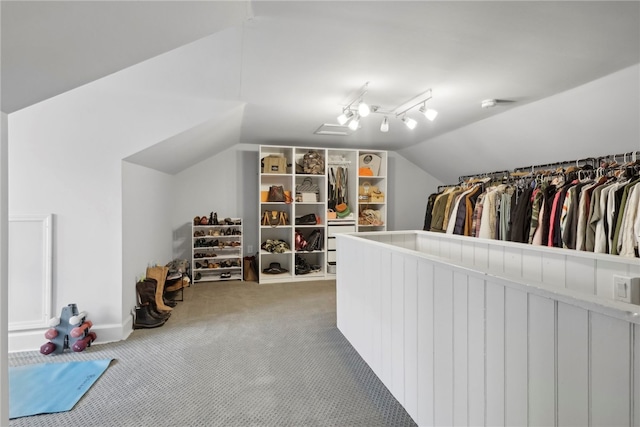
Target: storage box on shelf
<point>309,181</point>
<point>217,251</point>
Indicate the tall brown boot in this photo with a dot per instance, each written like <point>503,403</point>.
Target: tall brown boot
<point>147,297</point>
<point>159,273</point>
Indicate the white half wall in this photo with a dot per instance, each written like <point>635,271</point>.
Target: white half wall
<point>595,119</point>
<point>147,205</point>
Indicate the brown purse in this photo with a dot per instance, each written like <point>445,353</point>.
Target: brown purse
<point>276,194</point>
<point>275,218</point>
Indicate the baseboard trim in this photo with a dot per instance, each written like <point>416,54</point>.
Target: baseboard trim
<point>32,340</point>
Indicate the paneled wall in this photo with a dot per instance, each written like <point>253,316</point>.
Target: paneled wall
<point>584,272</point>
<point>458,346</point>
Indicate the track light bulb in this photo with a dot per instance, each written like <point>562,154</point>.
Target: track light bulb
<point>363,109</point>
<point>431,114</point>
<point>384,127</point>
<point>428,112</point>
<point>353,124</point>
<point>411,124</point>
<point>344,117</point>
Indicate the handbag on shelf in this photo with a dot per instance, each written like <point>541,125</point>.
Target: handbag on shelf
<point>275,218</point>
<point>275,246</point>
<point>309,219</point>
<point>369,161</point>
<point>343,210</point>
<point>331,214</point>
<point>364,192</point>
<point>370,217</point>
<point>376,196</point>
<point>307,191</point>
<point>276,194</point>
<point>300,241</point>
<point>314,241</point>
<point>313,163</point>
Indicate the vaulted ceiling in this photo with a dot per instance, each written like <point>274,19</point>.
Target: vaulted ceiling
<point>292,65</point>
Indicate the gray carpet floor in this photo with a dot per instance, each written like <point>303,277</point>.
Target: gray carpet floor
<point>232,354</point>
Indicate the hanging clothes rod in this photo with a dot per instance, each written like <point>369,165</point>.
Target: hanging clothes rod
<point>594,163</point>
<point>633,156</point>
<point>497,174</point>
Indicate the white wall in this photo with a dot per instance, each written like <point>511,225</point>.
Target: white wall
<point>65,158</point>
<point>4,288</point>
<point>227,184</point>
<point>408,187</point>
<point>595,119</point>
<point>147,206</point>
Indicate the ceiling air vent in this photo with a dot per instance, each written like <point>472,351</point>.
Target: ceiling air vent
<point>332,129</point>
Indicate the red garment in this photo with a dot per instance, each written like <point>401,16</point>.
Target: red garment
<point>554,212</point>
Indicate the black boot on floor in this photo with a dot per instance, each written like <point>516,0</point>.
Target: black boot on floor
<point>144,320</point>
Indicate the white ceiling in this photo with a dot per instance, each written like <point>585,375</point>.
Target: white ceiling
<point>301,60</point>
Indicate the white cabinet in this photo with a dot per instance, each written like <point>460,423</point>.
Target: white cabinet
<point>317,172</point>
<point>217,251</point>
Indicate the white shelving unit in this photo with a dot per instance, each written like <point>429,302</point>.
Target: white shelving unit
<point>216,253</point>
<point>289,176</point>
<point>379,182</point>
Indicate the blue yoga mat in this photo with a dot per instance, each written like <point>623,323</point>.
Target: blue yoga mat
<point>51,387</point>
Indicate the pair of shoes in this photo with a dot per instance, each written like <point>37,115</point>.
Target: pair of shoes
<point>228,221</point>
<point>198,233</point>
<point>213,218</point>
<point>225,275</point>
<point>302,266</point>
<point>145,320</point>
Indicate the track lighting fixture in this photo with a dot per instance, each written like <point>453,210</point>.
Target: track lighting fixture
<point>429,113</point>
<point>345,116</point>
<point>409,122</point>
<point>356,108</point>
<point>353,124</point>
<point>363,109</point>
<point>384,127</point>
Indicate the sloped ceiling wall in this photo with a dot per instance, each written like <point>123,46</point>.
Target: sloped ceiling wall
<point>50,47</point>
<point>271,72</point>
<point>596,119</point>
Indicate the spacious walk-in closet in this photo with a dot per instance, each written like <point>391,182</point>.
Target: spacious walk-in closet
<point>448,194</point>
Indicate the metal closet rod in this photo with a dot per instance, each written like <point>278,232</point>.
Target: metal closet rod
<point>485,175</point>
<point>595,161</point>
